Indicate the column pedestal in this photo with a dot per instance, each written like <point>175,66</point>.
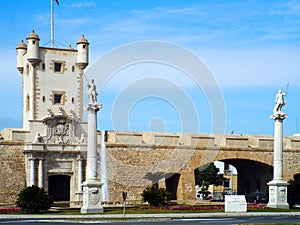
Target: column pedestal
<point>278,194</point>
<point>278,187</point>
<point>92,199</point>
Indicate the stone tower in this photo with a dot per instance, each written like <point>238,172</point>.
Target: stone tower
<point>53,127</point>
<point>52,79</point>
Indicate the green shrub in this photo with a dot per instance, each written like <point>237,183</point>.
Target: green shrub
<point>34,200</point>
<point>156,196</point>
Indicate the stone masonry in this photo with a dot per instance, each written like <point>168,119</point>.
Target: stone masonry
<point>136,160</point>
<point>12,173</point>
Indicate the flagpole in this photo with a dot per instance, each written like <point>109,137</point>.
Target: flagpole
<point>52,23</point>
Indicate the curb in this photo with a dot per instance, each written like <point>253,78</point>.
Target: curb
<point>145,216</point>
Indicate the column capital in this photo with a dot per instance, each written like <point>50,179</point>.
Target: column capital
<point>279,116</point>
<point>93,107</point>
<point>79,158</point>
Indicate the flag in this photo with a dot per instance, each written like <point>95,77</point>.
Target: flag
<point>57,2</point>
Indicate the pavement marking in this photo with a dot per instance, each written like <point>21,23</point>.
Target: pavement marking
<point>202,219</point>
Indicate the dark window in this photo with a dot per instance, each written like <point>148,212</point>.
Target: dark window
<point>57,98</point>
<point>27,69</point>
<point>27,103</point>
<point>83,46</point>
<point>73,100</point>
<point>44,98</point>
<point>57,67</point>
<point>73,68</point>
<point>43,66</point>
<point>33,42</point>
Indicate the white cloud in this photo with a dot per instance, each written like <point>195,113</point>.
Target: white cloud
<point>83,4</point>
<point>256,67</point>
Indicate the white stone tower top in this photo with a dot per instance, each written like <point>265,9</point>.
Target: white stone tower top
<point>33,48</point>
<point>21,50</point>
<point>83,49</point>
<point>52,79</point>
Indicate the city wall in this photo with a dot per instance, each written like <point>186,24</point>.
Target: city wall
<point>135,160</point>
<point>138,159</point>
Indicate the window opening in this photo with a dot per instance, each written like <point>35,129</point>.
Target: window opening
<point>57,98</point>
<point>27,103</point>
<point>57,67</point>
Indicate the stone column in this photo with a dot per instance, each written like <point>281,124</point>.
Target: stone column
<point>41,173</point>
<point>278,187</point>
<point>92,154</point>
<point>92,199</point>
<point>32,171</point>
<point>79,175</point>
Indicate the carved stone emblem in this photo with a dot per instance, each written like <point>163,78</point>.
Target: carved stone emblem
<point>60,130</point>
<point>94,196</point>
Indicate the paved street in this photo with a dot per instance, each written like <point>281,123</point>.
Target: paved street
<point>162,219</point>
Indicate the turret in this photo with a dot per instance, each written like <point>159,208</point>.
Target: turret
<point>21,51</point>
<point>83,52</point>
<point>33,49</point>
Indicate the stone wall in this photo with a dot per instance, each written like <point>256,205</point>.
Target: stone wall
<point>12,173</point>
<point>136,160</point>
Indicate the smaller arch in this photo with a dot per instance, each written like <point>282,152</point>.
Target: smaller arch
<point>297,176</point>
<point>172,185</point>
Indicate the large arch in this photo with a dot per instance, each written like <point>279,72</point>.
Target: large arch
<point>252,175</point>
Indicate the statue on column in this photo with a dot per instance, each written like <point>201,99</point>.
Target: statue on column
<point>92,199</point>
<point>279,100</point>
<point>92,92</point>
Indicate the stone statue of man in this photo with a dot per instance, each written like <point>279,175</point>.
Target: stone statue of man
<point>92,92</point>
<point>279,100</point>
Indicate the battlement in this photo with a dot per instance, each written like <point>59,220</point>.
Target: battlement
<point>242,141</point>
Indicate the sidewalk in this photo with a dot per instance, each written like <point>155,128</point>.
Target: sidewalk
<point>145,216</point>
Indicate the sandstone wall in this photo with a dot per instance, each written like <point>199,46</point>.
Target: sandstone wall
<point>136,160</point>
<point>12,173</point>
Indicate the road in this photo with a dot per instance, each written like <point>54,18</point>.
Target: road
<point>165,221</point>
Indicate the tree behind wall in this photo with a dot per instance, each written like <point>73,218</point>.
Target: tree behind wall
<point>206,175</point>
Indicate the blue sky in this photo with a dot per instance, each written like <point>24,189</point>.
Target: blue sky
<point>250,47</point>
